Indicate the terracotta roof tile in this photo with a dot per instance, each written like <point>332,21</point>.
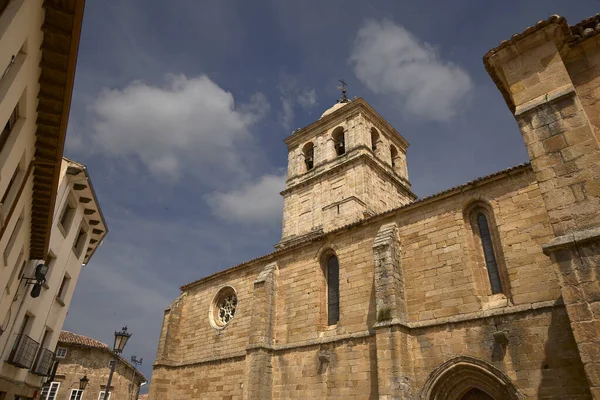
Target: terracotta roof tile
<point>474,182</point>
<point>73,338</point>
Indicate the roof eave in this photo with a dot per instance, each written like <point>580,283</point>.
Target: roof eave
<point>48,154</point>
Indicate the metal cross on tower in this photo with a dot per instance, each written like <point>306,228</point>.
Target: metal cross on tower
<point>344,98</point>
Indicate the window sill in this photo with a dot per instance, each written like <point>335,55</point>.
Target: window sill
<point>493,301</point>
<point>60,301</point>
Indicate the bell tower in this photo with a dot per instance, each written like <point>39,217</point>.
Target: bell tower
<point>346,166</point>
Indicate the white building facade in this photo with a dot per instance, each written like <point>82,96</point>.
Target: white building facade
<point>39,40</point>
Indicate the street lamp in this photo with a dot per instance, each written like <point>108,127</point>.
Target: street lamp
<point>121,339</point>
<point>83,383</point>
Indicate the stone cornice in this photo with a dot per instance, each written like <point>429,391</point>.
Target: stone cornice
<point>471,316</point>
<point>350,158</point>
<point>349,110</point>
<point>571,240</point>
<point>239,356</point>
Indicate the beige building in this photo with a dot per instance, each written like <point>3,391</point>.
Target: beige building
<point>32,325</point>
<point>39,41</point>
<point>81,356</point>
<point>488,290</point>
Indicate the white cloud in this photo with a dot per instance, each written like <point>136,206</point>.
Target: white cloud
<point>256,203</point>
<point>293,96</point>
<point>186,123</point>
<point>307,99</point>
<point>287,112</point>
<point>390,60</point>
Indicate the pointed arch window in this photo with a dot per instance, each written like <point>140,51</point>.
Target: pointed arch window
<point>491,263</point>
<point>332,275</point>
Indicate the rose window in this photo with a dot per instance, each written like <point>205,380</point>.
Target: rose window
<point>223,307</point>
<point>227,308</point>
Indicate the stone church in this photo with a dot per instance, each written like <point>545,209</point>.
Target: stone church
<point>488,290</point>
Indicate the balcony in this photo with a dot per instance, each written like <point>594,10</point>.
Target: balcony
<point>23,352</point>
<point>44,362</point>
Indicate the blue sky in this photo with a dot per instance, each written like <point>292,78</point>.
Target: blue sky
<point>180,109</point>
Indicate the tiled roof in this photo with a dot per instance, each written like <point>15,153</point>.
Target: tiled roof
<point>80,340</point>
<point>586,28</point>
<point>143,397</point>
<point>474,182</point>
<point>71,338</point>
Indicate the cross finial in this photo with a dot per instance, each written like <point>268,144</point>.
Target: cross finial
<point>344,98</point>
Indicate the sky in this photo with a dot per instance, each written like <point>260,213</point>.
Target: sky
<point>180,109</point>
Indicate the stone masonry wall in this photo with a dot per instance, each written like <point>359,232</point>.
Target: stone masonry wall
<point>94,363</point>
<point>449,310</point>
<point>331,201</point>
<point>551,78</point>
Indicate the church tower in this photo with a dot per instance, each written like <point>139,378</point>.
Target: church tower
<point>348,165</point>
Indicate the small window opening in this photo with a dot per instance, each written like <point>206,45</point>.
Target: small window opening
<point>374,139</point>
<point>309,154</point>
<point>488,252</point>
<point>67,215</point>
<point>394,154</point>
<point>80,240</point>
<point>333,290</point>
<point>339,141</point>
<point>8,127</point>
<point>64,286</point>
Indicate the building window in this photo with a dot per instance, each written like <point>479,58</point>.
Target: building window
<point>339,141</point>
<point>61,352</point>
<point>394,155</point>
<point>76,394</point>
<point>13,273</point>
<point>332,276</point>
<point>49,392</point>
<point>488,253</point>
<point>10,195</point>
<point>309,154</point>
<point>224,306</point>
<point>50,262</point>
<point>67,215</point>
<point>13,238</point>
<point>12,120</point>
<point>80,240</point>
<point>62,291</point>
<point>101,395</point>
<point>374,139</point>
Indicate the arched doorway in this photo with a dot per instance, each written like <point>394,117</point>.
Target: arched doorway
<point>468,378</point>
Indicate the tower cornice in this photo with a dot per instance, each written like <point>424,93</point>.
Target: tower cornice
<point>352,157</point>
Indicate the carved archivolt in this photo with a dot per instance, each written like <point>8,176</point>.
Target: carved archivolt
<point>456,377</point>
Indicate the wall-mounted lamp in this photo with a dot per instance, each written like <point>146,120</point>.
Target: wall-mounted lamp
<point>38,279</point>
<point>83,383</point>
